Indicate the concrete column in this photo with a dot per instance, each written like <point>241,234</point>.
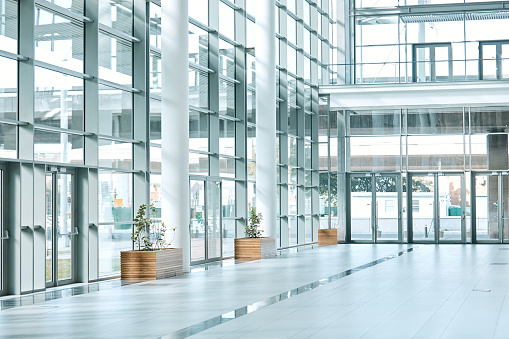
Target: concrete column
<point>266,193</point>
<point>497,154</point>
<point>175,123</point>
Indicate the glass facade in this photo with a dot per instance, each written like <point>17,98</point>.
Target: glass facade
<point>424,42</point>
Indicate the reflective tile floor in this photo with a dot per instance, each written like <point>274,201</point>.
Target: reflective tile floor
<point>343,291</point>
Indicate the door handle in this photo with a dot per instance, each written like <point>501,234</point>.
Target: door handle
<point>5,236</point>
<point>76,232</point>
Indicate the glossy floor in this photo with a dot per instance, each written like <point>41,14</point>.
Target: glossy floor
<point>347,291</point>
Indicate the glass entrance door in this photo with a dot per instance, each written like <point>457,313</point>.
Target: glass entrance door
<point>388,211</point>
<point>423,208</point>
<point>432,62</point>
<point>206,220</point>
<point>494,60</point>
<point>361,211</point>
<point>492,207</point>
<point>375,207</point>
<point>438,208</point>
<point>60,229</point>
<point>451,208</point>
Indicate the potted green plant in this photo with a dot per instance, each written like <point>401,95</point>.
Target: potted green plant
<point>152,257</point>
<point>254,246</point>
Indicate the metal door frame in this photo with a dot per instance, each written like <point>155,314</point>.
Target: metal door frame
<point>374,207</point>
<point>206,180</point>
<point>54,171</point>
<point>4,235</point>
<point>500,199</point>
<point>436,207</point>
<point>498,57</point>
<point>432,60</point>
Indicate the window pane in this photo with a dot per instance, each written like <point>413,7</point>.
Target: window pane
<point>115,205</point>
<point>375,122</point>
<point>227,167</point>
<point>293,175</point>
<point>292,230</point>
<point>226,98</point>
<point>228,199</point>
<point>291,33</point>
<point>112,240</point>
<point>199,10</point>
<point>292,200</point>
<point>251,106</point>
<point>58,100</point>
<point>8,88</point>
<point>226,137</point>
<point>250,34</point>
<point>290,4</point>
<point>292,151</point>
<point>198,46</point>
<point>156,71</point>
<point>115,196</point>
<point>198,131</point>
<point>251,195</point>
<point>251,170</point>
<point>155,25</point>
<point>251,143</point>
<point>9,25</point>
<point>8,141</point>
<point>291,63</point>
<point>115,154</point>
<point>227,58</point>
<point>307,126</point>
<point>115,59</point>
<point>198,163</point>
<point>435,121</point>
<point>58,147</point>
<point>227,22</point>
<point>117,14</point>
<point>307,155</point>
<point>115,112</point>
<point>155,159</point>
<point>251,70</point>
<point>198,88</point>
<point>489,119</point>
<point>439,152</point>
<point>374,153</point>
<point>58,40</point>
<point>155,121</point>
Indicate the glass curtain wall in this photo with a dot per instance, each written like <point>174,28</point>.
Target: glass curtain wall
<point>87,94</point>
<point>304,44</point>
<point>461,43</point>
<point>71,94</point>
<point>116,133</point>
<point>449,141</point>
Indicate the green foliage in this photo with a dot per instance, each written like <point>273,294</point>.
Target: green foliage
<point>149,234</point>
<point>323,179</point>
<point>252,230</point>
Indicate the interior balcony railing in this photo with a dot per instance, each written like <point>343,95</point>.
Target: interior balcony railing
<point>420,71</point>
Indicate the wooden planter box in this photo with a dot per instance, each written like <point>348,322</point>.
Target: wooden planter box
<point>328,237</point>
<point>255,248</point>
<point>150,265</point>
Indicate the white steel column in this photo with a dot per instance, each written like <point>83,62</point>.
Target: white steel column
<point>265,49</point>
<point>175,123</point>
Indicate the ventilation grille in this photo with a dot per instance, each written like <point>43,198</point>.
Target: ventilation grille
<point>454,17</point>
